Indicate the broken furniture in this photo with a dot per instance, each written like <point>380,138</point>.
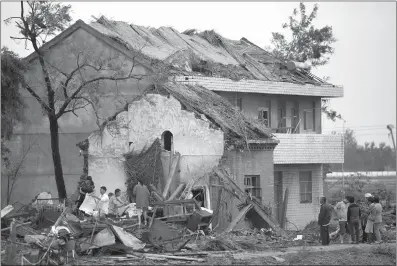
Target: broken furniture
<point>164,237</point>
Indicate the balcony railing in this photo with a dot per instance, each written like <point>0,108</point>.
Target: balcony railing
<point>308,149</point>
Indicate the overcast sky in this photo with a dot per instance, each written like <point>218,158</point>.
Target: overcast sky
<point>365,53</point>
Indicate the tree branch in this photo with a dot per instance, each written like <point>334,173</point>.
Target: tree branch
<point>73,96</point>
<point>41,102</point>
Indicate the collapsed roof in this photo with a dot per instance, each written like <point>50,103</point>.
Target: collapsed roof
<point>218,110</point>
<point>206,53</point>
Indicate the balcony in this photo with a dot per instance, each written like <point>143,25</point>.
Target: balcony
<point>308,149</point>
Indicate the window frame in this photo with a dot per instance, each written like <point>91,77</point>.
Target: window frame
<point>261,110</point>
<point>308,188</point>
<point>255,191</point>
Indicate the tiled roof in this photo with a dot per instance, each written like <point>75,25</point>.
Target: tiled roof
<point>308,149</point>
<point>205,53</point>
<point>260,86</point>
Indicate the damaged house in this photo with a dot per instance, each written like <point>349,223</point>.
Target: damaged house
<point>222,102</point>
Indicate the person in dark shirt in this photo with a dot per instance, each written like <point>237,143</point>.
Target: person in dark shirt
<point>324,219</point>
<point>353,219</point>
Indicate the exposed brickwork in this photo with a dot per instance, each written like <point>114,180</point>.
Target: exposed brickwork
<point>252,163</point>
<point>308,148</point>
<point>300,214</point>
<point>258,86</point>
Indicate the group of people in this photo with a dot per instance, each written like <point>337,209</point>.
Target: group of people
<point>352,217</point>
<point>110,204</point>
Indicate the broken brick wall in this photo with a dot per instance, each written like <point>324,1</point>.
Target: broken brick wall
<point>251,163</point>
<point>200,147</point>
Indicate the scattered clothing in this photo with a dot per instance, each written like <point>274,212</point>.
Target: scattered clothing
<point>89,204</point>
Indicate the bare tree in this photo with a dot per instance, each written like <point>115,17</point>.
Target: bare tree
<point>67,91</point>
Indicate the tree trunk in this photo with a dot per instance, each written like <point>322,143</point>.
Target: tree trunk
<point>56,157</point>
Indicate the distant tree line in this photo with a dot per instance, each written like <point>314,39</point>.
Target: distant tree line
<point>367,157</point>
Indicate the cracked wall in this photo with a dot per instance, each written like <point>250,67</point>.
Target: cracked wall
<point>200,146</point>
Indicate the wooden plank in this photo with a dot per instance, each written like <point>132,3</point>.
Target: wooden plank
<point>174,202</point>
<point>172,257</point>
<point>176,192</point>
<point>238,218</point>
<point>18,225</point>
<point>258,208</point>
<point>11,247</point>
<point>171,175</point>
<point>156,193</point>
<point>284,209</point>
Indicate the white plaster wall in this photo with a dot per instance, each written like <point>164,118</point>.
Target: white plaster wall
<point>200,146</point>
<point>105,161</point>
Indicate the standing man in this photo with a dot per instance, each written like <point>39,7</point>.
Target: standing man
<point>377,219</point>
<point>142,198</point>
<point>324,219</point>
<point>353,219</point>
<point>364,216</point>
<point>103,204</point>
<point>341,215</point>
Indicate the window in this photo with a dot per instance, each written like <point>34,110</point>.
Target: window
<point>305,187</point>
<point>294,118</point>
<point>314,116</point>
<point>167,140</point>
<point>281,119</point>
<point>264,116</point>
<point>309,117</point>
<point>252,186</point>
<point>307,120</point>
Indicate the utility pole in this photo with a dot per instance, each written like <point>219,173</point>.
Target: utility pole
<point>343,148</point>
<point>390,127</point>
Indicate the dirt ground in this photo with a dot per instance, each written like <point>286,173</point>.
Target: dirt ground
<point>384,254</point>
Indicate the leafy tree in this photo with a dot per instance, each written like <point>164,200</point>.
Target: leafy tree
<point>63,91</point>
<point>12,104</point>
<point>367,157</point>
<point>308,42</point>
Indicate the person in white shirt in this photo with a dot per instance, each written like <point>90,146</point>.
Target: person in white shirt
<point>341,215</point>
<point>103,204</point>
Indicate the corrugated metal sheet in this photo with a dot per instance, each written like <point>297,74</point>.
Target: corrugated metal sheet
<point>259,86</point>
<point>308,149</point>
